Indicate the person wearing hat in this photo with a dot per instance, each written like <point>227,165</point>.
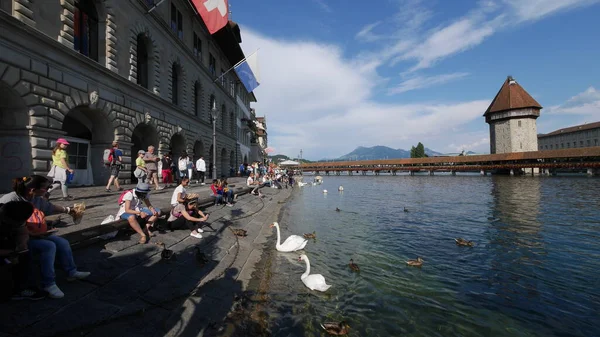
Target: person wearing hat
<point>132,209</point>
<point>115,167</point>
<point>140,167</point>
<point>187,214</point>
<point>60,167</point>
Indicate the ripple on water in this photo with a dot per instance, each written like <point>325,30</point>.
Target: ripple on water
<point>532,271</point>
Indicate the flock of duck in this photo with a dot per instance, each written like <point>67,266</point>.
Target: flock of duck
<point>317,281</point>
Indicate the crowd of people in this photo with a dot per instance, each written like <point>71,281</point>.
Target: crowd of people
<point>26,235</point>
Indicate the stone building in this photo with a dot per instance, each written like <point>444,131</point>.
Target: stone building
<point>584,135</point>
<point>245,129</point>
<point>512,118</point>
<point>94,71</point>
<point>259,143</point>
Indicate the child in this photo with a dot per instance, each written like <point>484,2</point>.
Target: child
<point>131,209</point>
<point>187,214</point>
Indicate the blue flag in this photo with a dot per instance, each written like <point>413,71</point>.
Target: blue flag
<point>248,72</point>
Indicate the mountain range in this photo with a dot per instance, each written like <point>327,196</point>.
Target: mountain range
<point>381,152</point>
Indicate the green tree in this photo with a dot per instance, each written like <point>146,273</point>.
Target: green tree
<point>420,151</point>
<point>413,152</point>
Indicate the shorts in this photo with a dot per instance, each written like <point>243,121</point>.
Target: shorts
<point>114,170</point>
<point>146,210</point>
<point>151,174</point>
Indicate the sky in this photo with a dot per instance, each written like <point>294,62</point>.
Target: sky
<point>338,74</point>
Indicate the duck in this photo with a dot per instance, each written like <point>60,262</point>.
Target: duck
<point>405,210</point>
<point>291,244</point>
<point>464,243</point>
<point>325,191</point>
<point>341,188</point>
<point>201,257</point>
<point>239,232</point>
<point>314,281</point>
<point>338,210</point>
<point>353,265</point>
<point>312,235</point>
<point>415,263</point>
<point>336,328</point>
<point>166,254</point>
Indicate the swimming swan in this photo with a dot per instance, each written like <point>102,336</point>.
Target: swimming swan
<point>293,243</point>
<point>314,281</point>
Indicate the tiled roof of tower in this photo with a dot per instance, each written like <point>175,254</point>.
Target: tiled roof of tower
<point>511,96</point>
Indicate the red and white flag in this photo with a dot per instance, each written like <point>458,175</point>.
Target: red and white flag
<point>214,13</point>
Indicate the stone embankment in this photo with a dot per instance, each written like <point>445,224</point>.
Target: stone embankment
<point>133,291</point>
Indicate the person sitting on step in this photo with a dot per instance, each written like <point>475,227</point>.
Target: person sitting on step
<point>186,214</point>
<point>132,209</point>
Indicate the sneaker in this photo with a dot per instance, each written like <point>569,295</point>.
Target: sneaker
<point>196,235</point>
<point>203,184</point>
<point>54,292</point>
<point>199,230</point>
<point>229,205</point>
<point>29,294</point>
<point>78,275</point>
<point>67,198</point>
<point>160,188</point>
<point>108,190</point>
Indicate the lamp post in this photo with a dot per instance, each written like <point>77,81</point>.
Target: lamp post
<point>213,116</point>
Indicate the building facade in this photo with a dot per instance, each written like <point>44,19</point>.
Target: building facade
<point>94,71</point>
<point>512,118</point>
<point>246,119</point>
<point>585,135</point>
<point>259,141</point>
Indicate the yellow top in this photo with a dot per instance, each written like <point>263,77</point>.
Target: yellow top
<point>140,162</point>
<point>56,158</point>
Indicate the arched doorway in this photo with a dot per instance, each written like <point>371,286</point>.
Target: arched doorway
<point>15,146</point>
<point>199,149</point>
<point>245,159</point>
<point>143,136</point>
<point>233,164</point>
<point>224,170</point>
<point>90,132</point>
<point>178,145</point>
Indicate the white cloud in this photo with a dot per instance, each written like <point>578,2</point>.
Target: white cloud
<point>366,33</point>
<point>531,10</point>
<point>323,5</point>
<point>586,103</point>
<point>320,102</point>
<point>421,82</point>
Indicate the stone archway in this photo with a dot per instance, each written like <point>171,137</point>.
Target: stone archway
<point>245,159</point>
<point>199,149</point>
<point>224,169</point>
<point>143,136</point>
<point>90,132</point>
<point>178,146</point>
<point>15,145</point>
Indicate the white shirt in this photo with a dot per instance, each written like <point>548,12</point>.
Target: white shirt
<point>182,163</point>
<point>135,204</point>
<point>178,189</point>
<point>249,181</point>
<point>200,165</point>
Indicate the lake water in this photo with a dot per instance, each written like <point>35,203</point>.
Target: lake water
<point>533,271</point>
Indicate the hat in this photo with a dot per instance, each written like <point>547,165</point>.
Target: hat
<point>62,141</point>
<point>142,188</point>
<point>141,152</point>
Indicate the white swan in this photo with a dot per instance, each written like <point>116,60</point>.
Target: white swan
<point>341,188</point>
<point>314,281</point>
<point>291,244</point>
<point>325,191</point>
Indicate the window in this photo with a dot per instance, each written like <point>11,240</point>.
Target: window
<point>595,142</point>
<point>212,65</point>
<point>78,155</point>
<point>212,105</point>
<point>551,147</point>
<point>581,143</point>
<point>197,99</point>
<point>568,145</point>
<point>521,144</point>
<point>519,123</point>
<point>176,21</point>
<point>175,69</point>
<point>142,61</point>
<point>562,145</point>
<point>197,47</point>
<point>589,143</point>
<point>85,26</point>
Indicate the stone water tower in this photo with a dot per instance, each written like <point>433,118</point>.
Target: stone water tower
<point>512,118</point>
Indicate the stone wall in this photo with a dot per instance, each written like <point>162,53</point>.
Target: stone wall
<point>513,135</point>
<point>45,81</point>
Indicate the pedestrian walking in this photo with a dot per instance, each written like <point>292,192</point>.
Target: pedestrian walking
<point>201,168</point>
<point>151,161</point>
<point>60,169</point>
<point>115,167</point>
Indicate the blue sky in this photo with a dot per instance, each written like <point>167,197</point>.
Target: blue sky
<point>337,74</point>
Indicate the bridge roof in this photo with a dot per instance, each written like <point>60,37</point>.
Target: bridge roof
<point>511,96</point>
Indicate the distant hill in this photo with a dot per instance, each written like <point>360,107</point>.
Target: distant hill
<point>380,152</point>
<point>281,157</point>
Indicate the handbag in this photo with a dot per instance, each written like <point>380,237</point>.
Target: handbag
<point>138,173</point>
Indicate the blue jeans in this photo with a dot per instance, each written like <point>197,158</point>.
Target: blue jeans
<point>48,248</point>
<point>146,210</point>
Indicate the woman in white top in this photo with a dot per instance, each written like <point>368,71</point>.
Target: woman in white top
<point>180,192</point>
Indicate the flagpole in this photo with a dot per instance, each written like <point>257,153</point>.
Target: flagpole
<point>154,7</point>
<point>237,64</point>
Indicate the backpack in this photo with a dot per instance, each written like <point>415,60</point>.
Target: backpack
<point>108,157</point>
<point>37,222</point>
<point>123,195</point>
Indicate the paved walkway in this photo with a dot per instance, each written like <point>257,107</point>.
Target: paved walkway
<point>134,292</point>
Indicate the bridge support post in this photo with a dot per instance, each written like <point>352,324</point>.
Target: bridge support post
<point>430,172</point>
<point>535,171</point>
<point>376,173</point>
<point>453,173</point>
<point>349,173</point>
<point>482,172</point>
<point>364,173</point>
<point>394,173</point>
<point>412,173</point>
<point>326,173</point>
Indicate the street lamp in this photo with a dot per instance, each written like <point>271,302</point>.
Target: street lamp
<point>213,116</point>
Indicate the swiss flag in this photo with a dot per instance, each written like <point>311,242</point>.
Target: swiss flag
<point>214,13</point>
